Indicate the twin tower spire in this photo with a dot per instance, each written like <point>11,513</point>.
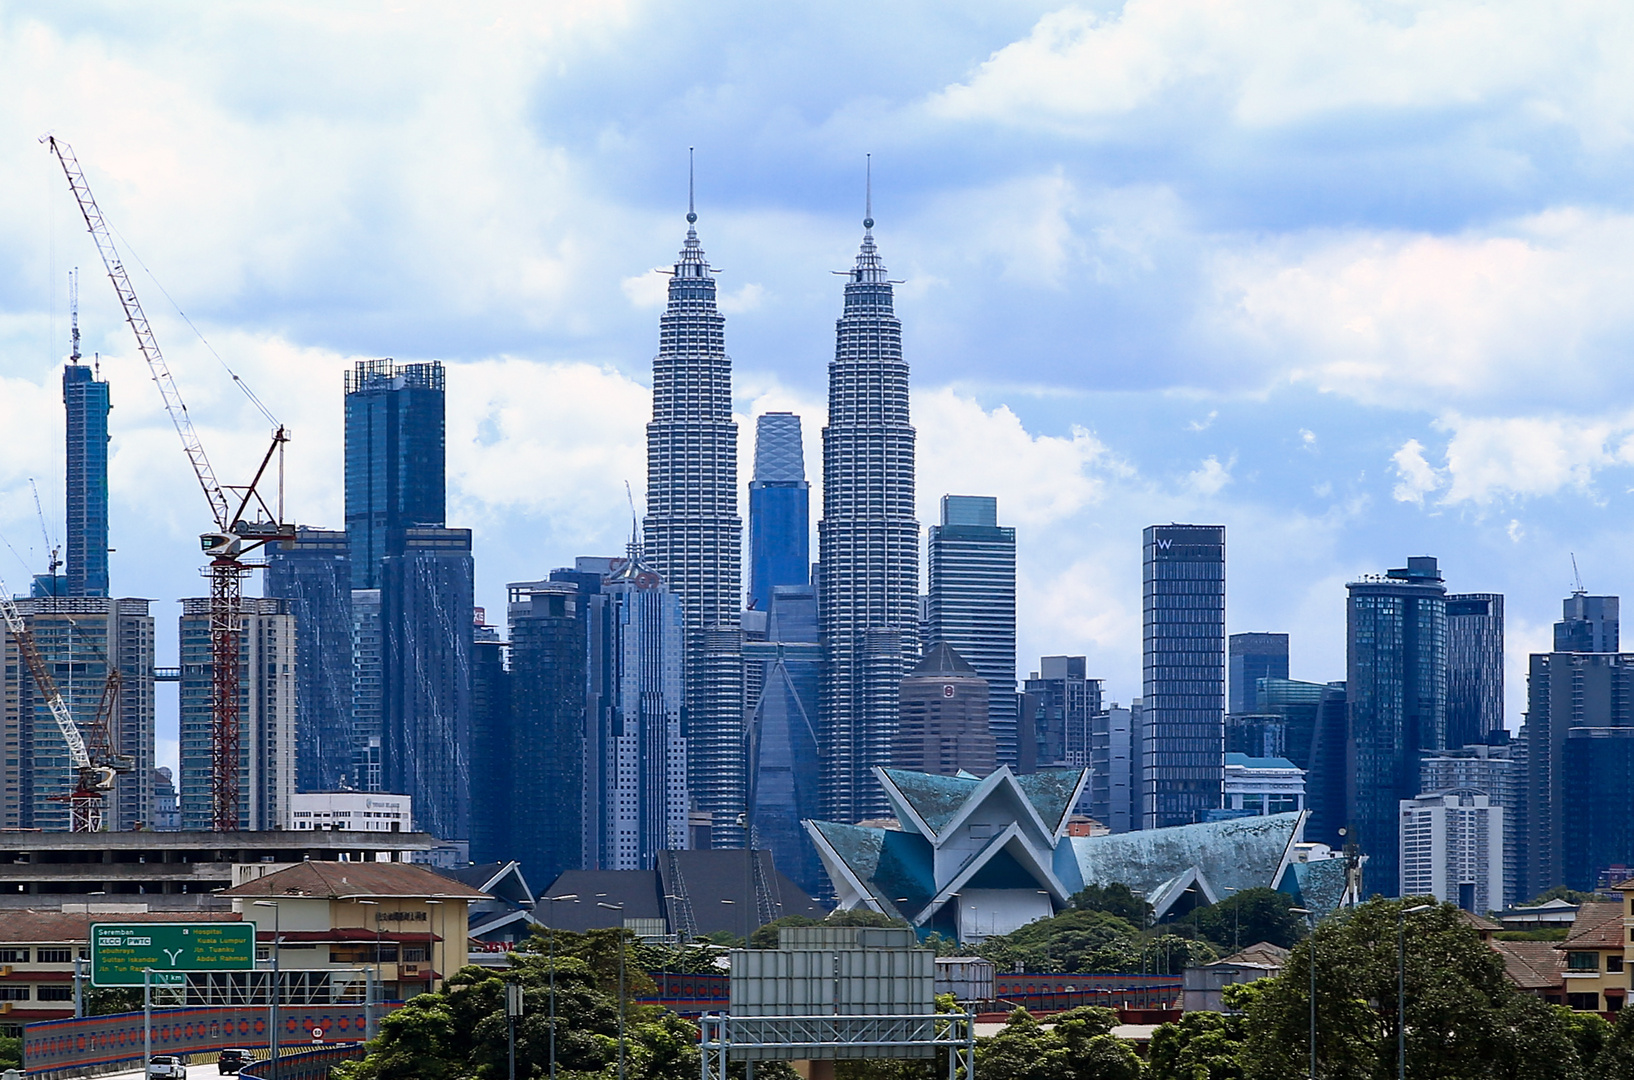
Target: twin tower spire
<point>868,538</point>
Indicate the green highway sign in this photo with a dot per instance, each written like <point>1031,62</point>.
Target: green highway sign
<point>119,951</point>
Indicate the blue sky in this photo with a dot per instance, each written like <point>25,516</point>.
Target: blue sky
<point>1352,278</point>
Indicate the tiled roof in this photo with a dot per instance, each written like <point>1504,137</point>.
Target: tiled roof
<point>1598,926</point>
<point>28,925</point>
<point>344,880</point>
<point>1262,953</point>
<point>1532,965</point>
<point>1479,922</point>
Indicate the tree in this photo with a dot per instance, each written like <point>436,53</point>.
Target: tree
<point>11,1052</point>
<point>1616,1059</point>
<point>1077,940</point>
<point>1201,1046</point>
<point>1561,892</point>
<point>1079,1047</point>
<point>1114,899</point>
<point>1464,1020</point>
<point>1247,917</point>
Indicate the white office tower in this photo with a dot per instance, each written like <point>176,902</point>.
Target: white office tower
<point>1452,848</point>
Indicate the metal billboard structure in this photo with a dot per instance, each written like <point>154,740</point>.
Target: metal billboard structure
<point>837,1037</point>
<point>122,953</point>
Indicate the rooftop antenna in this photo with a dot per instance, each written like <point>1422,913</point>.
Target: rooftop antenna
<point>868,196</point>
<point>631,499</point>
<point>73,314</point>
<point>692,217</point>
<point>1577,579</point>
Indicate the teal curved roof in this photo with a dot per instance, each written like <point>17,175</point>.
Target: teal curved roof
<point>1241,853</point>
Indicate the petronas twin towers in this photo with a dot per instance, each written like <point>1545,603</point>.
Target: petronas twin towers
<point>868,575</point>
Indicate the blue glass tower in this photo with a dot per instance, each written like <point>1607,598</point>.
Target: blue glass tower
<point>1182,736</point>
<point>1396,697</point>
<point>315,576</point>
<point>779,509</point>
<point>394,459</point>
<point>86,400</point>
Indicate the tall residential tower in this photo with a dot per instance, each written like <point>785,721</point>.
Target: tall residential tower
<point>868,542</point>
<point>692,535</point>
<point>972,564</point>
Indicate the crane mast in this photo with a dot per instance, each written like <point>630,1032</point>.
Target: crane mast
<point>233,536</point>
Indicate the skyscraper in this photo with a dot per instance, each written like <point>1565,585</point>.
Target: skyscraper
<point>635,759</point>
<point>692,532</point>
<point>315,576</point>
<point>267,694</point>
<point>493,759</point>
<point>1108,798</point>
<point>1452,845</point>
<point>1182,732</point>
<point>85,398</point>
<point>972,603</point>
<point>80,639</point>
<point>1599,767</point>
<point>779,509</point>
<point>868,543</point>
<point>422,576</point>
<point>368,693</point>
<point>1494,771</point>
<point>783,774</point>
<point>1312,726</point>
<point>1060,702</point>
<point>1475,667</point>
<point>1396,687</point>
<point>944,724</point>
<point>394,459</point>
<point>1253,657</point>
<point>1588,624</point>
<point>1566,692</point>
<point>427,623</point>
<point>544,804</point>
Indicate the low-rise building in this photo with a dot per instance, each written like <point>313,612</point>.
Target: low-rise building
<point>1204,984</point>
<point>405,922</point>
<point>1263,785</point>
<point>351,811</point>
<point>1596,974</point>
<point>38,954</point>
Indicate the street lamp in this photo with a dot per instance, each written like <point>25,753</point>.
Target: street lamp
<point>272,1002</point>
<point>1401,985</point>
<point>1310,962</point>
<point>554,899</point>
<point>377,991</point>
<point>1237,910</point>
<point>620,909</point>
<point>431,952</point>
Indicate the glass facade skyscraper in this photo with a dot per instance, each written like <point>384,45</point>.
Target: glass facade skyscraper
<point>1252,657</point>
<point>692,534</point>
<point>972,604</point>
<point>1396,690</point>
<point>1182,732</point>
<point>779,509</point>
<point>1059,706</point>
<point>783,774</point>
<point>868,543</point>
<point>1588,624</point>
<point>1475,667</point>
<point>394,459</point>
<point>315,576</point>
<point>85,399</point>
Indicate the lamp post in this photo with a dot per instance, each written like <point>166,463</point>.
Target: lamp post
<point>377,991</point>
<point>555,899</point>
<point>272,998</point>
<point>1401,985</point>
<point>431,953</point>
<point>620,909</point>
<point>1310,921</point>
<point>1237,930</point>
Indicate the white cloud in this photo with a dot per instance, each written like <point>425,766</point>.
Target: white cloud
<point>1418,476</point>
<point>1269,63</point>
<point>1210,478</point>
<point>646,291</point>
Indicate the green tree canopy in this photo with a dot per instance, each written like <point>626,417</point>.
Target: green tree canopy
<point>1248,917</point>
<point>1080,1046</point>
<point>1201,1046</point>
<point>1464,1020</point>
<point>1114,899</point>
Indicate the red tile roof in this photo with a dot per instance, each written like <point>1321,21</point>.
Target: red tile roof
<point>348,880</point>
<point>28,925</point>
<point>1598,926</point>
<point>1532,965</point>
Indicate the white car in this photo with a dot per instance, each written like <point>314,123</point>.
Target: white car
<point>166,1067</point>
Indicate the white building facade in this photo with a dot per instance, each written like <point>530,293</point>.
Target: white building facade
<point>1263,785</point>
<point>351,811</point>
<point>1452,848</point>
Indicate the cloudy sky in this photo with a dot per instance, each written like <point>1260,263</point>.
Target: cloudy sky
<point>1352,278</point>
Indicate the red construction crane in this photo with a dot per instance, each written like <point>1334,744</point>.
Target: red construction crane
<point>233,537</point>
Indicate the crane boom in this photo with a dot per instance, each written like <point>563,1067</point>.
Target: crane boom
<point>145,340</point>
<point>42,678</point>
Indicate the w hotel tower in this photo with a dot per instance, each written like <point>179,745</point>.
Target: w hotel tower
<point>868,595</point>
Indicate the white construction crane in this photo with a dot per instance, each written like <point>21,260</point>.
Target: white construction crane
<point>92,779</point>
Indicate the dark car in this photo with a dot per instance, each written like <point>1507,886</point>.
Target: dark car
<point>230,1061</point>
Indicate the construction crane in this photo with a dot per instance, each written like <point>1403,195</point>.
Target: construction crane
<point>235,534</point>
<point>96,766</point>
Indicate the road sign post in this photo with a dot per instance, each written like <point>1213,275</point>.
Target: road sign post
<point>122,954</point>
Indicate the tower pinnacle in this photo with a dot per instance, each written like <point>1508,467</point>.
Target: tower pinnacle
<point>692,214</point>
<point>868,193</point>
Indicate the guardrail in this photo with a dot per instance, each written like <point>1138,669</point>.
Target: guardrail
<point>306,1065</point>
